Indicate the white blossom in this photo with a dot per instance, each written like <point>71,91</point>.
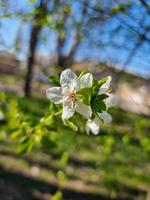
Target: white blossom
<point>106,86</point>
<point>111,100</point>
<point>106,117</point>
<point>93,126</point>
<point>66,94</point>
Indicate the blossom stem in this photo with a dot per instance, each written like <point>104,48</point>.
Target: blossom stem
<point>57,113</point>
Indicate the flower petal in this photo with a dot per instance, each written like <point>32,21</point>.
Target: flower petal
<point>93,126</point>
<point>111,100</point>
<point>107,118</point>
<point>86,81</point>
<point>83,109</point>
<point>68,111</point>
<point>66,77</point>
<point>105,87</point>
<point>74,86</point>
<point>54,94</point>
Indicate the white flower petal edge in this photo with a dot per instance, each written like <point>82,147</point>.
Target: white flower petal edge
<point>111,100</point>
<point>67,77</point>
<point>105,87</point>
<point>83,109</point>
<point>107,118</point>
<point>86,81</point>
<point>54,94</point>
<point>68,111</point>
<point>93,126</point>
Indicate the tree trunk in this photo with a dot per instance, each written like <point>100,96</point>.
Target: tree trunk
<point>30,62</point>
<point>35,30</point>
<point>61,62</point>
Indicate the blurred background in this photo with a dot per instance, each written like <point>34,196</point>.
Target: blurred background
<point>39,38</point>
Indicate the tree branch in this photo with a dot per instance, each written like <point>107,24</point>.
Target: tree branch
<point>143,2</point>
<point>132,53</point>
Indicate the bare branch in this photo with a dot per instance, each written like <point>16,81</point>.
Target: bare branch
<point>132,53</point>
<point>76,39</point>
<point>143,2</point>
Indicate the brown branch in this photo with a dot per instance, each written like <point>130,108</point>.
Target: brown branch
<point>34,37</point>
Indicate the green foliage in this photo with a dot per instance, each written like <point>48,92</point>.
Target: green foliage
<point>27,133</point>
<point>102,81</point>
<point>67,9</point>
<point>57,196</point>
<point>120,8</point>
<point>20,128</point>
<point>82,73</point>
<point>145,143</point>
<point>97,84</point>
<point>64,159</point>
<point>98,106</point>
<point>118,158</point>
<point>54,80</point>
<point>84,95</point>
<point>70,125</point>
<point>97,101</point>
<point>32,1</point>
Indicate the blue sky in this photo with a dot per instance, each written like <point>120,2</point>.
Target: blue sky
<point>9,28</point>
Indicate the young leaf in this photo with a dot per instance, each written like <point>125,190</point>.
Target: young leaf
<point>48,143</point>
<point>82,73</point>
<point>95,87</point>
<point>32,1</point>
<point>98,105</point>
<point>84,95</point>
<point>49,120</point>
<point>70,125</point>
<point>54,80</point>
<point>103,96</point>
<point>102,81</point>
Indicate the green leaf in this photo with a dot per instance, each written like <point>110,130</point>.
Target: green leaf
<point>49,120</point>
<point>82,73</point>
<point>54,80</point>
<point>22,148</point>
<point>120,8</point>
<point>52,108</point>
<point>98,105</point>
<point>15,134</point>
<point>102,81</point>
<point>84,95</point>
<point>57,196</point>
<point>67,9</point>
<point>31,1</point>
<point>95,87</point>
<point>101,105</point>
<point>103,96</point>
<point>70,125</point>
<point>48,143</point>
<point>64,159</point>
<point>24,139</point>
<point>61,175</point>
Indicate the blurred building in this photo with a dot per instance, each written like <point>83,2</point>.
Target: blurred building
<point>8,63</point>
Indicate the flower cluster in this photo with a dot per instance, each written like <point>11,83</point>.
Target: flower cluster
<point>85,95</point>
